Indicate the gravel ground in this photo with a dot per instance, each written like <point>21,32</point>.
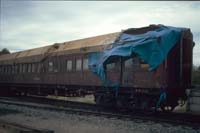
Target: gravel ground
<point>63,122</point>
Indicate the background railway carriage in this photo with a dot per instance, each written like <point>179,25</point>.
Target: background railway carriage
<point>62,69</point>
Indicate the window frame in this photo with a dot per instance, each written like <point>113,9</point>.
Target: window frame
<point>33,68</point>
<point>128,63</point>
<point>50,67</point>
<point>71,65</point>
<point>29,67</point>
<point>85,63</point>
<point>111,66</point>
<point>79,65</point>
<point>24,68</point>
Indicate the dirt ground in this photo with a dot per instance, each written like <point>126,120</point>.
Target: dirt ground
<point>63,122</point>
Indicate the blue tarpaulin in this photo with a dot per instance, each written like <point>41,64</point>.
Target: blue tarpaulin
<point>152,47</point>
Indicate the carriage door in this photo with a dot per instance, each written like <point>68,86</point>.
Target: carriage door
<point>114,72</point>
<point>130,68</point>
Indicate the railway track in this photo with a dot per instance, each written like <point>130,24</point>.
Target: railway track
<point>92,109</point>
<point>10,127</point>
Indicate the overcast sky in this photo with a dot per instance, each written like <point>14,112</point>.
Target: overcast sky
<point>30,24</point>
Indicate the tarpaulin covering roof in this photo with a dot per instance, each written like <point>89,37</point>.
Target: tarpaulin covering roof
<point>151,46</point>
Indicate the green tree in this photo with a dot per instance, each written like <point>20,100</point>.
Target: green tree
<point>4,51</point>
<point>196,75</point>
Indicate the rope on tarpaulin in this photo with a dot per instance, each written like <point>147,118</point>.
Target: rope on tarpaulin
<point>162,98</point>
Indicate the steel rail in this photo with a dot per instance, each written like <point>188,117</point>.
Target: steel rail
<point>92,109</point>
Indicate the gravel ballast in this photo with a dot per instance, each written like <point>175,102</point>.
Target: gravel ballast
<point>64,122</point>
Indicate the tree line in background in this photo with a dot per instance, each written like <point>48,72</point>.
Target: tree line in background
<point>195,69</point>
<point>196,75</point>
<point>4,51</point>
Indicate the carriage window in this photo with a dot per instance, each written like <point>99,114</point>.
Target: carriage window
<point>78,64</point>
<point>85,64</point>
<point>60,65</point>
<point>13,69</point>
<point>5,69</point>
<point>129,62</point>
<point>69,65</point>
<point>33,68</point>
<point>20,68</point>
<point>143,64</point>
<point>29,68</point>
<point>133,62</point>
<point>38,68</point>
<point>9,69</point>
<point>16,66</point>
<point>136,62</point>
<point>50,66</point>
<point>55,68</point>
<point>110,66</point>
<point>24,67</point>
<point>1,69</point>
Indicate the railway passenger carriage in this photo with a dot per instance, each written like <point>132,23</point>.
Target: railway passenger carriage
<point>62,69</point>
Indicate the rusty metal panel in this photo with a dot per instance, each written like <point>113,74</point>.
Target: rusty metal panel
<point>173,67</point>
<point>187,62</point>
<point>179,63</point>
<point>138,75</point>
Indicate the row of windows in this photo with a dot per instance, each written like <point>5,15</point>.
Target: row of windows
<point>136,63</point>
<point>52,66</point>
<point>80,64</point>
<point>70,65</point>
<point>18,68</point>
<point>38,67</point>
<point>130,63</point>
